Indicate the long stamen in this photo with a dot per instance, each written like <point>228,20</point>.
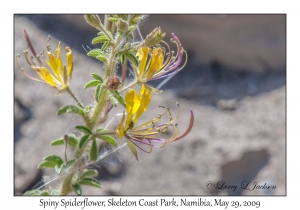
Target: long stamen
<point>31,47</point>
<point>23,72</point>
<point>188,129</point>
<point>26,57</point>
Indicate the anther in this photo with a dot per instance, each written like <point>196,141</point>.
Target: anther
<point>177,104</point>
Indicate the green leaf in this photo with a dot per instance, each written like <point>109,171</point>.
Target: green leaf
<point>132,58</point>
<point>83,140</point>
<point>123,58</point>
<point>101,33</point>
<point>132,148</point>
<point>33,192</point>
<point>105,45</point>
<point>127,45</point>
<point>53,192</point>
<point>101,58</point>
<point>101,130</point>
<point>94,151</point>
<point>70,109</point>
<point>88,108</point>
<point>88,173</point>
<point>96,52</point>
<point>73,141</point>
<point>97,77</point>
<point>58,168</point>
<point>69,163</point>
<point>100,39</point>
<point>83,129</point>
<point>110,140</point>
<point>56,142</point>
<point>54,159</point>
<point>45,193</point>
<point>77,189</point>
<point>46,164</point>
<point>113,19</point>
<point>98,92</point>
<point>118,97</point>
<point>91,83</point>
<point>90,182</point>
<point>114,101</point>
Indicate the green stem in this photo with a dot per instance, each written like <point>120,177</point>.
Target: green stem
<point>91,122</point>
<point>74,97</point>
<point>97,110</point>
<point>129,86</point>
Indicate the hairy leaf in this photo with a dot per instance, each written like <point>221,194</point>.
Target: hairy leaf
<point>91,83</point>
<point>71,109</point>
<point>83,129</point>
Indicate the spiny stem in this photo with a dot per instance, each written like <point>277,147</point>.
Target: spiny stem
<point>97,109</point>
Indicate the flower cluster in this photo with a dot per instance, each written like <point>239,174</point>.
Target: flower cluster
<point>156,63</point>
<point>60,76</point>
<point>153,64</point>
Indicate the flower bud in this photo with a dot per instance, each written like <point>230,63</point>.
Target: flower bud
<point>134,19</point>
<point>93,20</point>
<point>113,82</point>
<point>154,37</point>
<point>122,25</point>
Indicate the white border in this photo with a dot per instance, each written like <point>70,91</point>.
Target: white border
<point>150,6</point>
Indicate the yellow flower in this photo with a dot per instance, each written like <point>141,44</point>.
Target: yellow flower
<point>157,64</point>
<point>147,134</point>
<point>60,76</point>
<point>135,107</point>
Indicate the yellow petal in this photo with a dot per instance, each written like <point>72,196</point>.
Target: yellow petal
<point>132,104</point>
<point>45,75</point>
<point>69,62</point>
<point>142,54</point>
<point>120,131</point>
<point>53,65</point>
<point>58,61</point>
<point>156,62</point>
<point>144,102</point>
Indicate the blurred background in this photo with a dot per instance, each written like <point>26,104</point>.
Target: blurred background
<point>234,81</point>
